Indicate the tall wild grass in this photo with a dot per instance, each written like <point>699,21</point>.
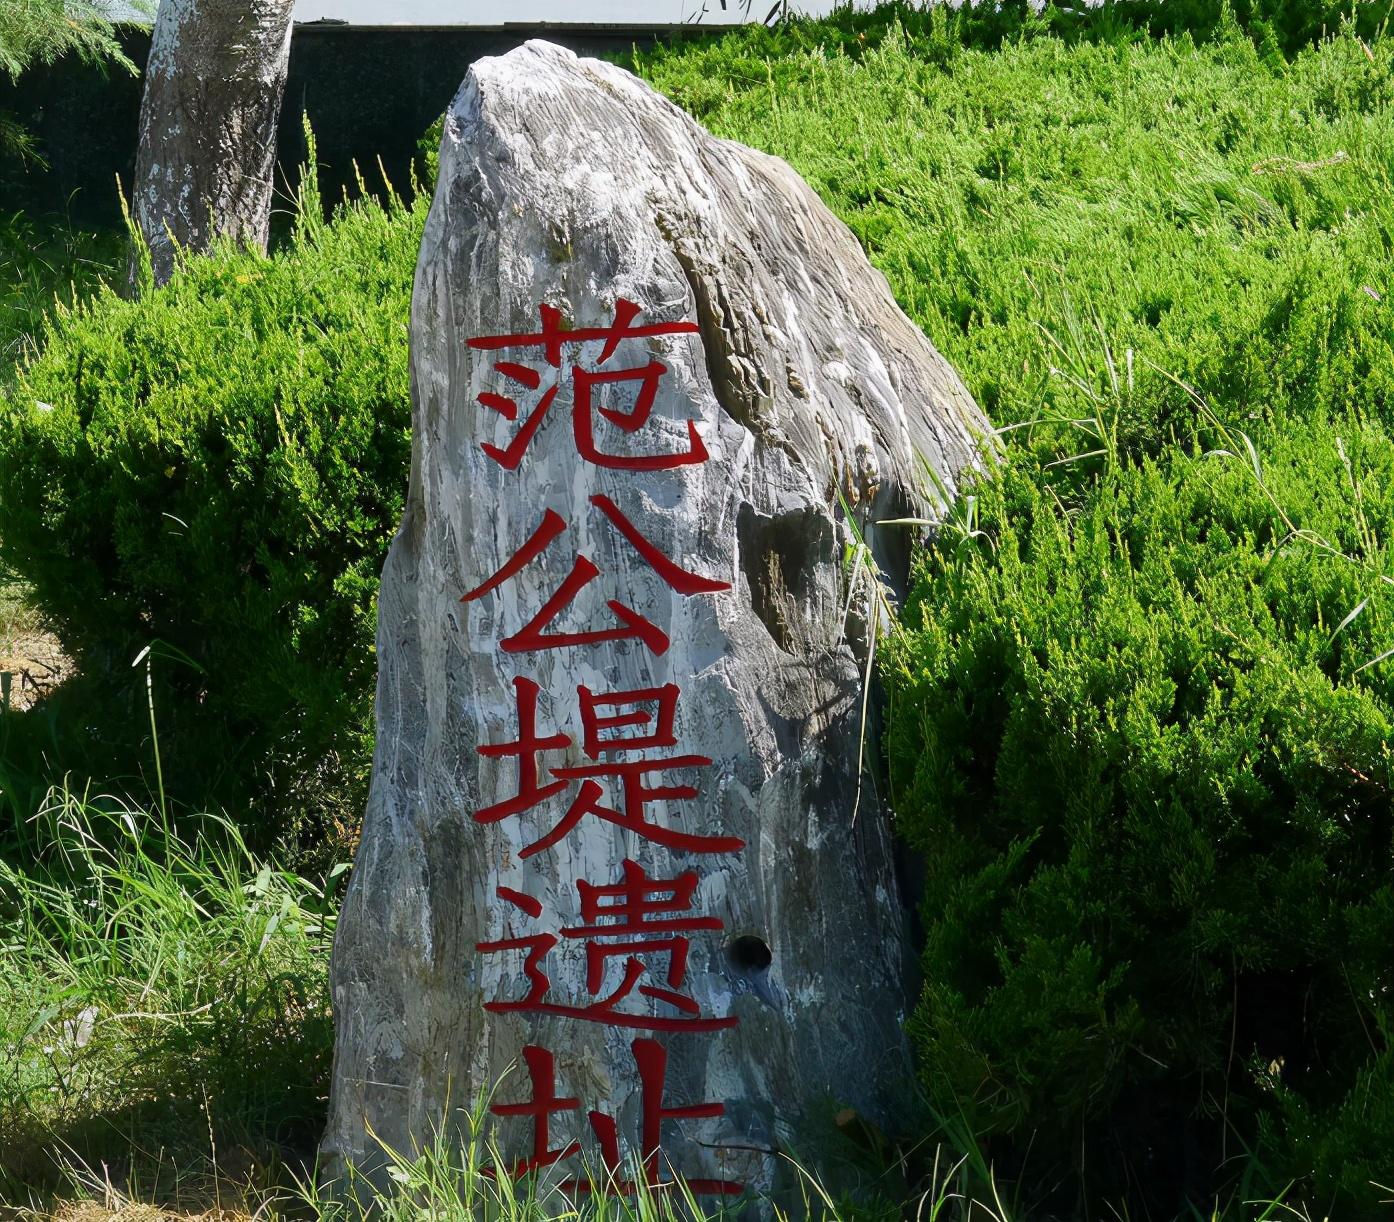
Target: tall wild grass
<point>158,990</point>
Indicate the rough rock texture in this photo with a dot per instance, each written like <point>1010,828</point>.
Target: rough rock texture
<point>569,183</point>
<point>213,86</point>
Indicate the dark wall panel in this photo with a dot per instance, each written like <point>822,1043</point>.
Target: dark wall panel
<point>369,93</point>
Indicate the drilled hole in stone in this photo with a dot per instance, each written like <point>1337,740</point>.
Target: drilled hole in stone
<point>749,953</point>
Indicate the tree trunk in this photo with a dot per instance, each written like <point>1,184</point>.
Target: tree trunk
<point>213,87</point>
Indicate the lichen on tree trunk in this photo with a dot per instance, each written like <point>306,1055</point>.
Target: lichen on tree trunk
<point>205,164</point>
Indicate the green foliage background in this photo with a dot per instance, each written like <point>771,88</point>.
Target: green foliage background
<point>1141,701</point>
<point>1140,709</point>
<point>216,470</point>
<point>36,32</point>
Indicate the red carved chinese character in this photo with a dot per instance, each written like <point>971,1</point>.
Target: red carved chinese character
<point>511,455</point>
<point>641,906</point>
<point>629,775</point>
<point>583,420</point>
<point>537,945</point>
<point>651,1060</point>
<point>533,634</point>
<point>550,340</point>
<point>634,911</point>
<point>544,1101</point>
<point>635,796</point>
<point>527,747</point>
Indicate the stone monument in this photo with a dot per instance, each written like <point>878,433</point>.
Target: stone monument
<point>610,874</point>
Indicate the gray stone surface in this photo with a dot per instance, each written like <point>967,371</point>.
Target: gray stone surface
<point>568,182</point>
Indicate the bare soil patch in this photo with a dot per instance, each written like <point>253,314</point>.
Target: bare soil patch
<point>135,1211</point>
<point>31,657</point>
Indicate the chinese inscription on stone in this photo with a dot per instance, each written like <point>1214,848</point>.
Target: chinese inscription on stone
<point>609,874</point>
<point>636,928</point>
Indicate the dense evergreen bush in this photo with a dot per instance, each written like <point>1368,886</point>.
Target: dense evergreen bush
<point>1129,734</point>
<point>1146,757</point>
<point>218,468</point>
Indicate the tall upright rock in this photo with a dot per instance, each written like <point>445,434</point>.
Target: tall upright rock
<point>610,864</point>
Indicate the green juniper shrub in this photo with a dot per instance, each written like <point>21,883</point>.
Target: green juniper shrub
<point>1134,743</point>
<point>217,468</point>
<point>1145,753</point>
<point>758,57</point>
<point>1226,217</point>
<point>428,150</point>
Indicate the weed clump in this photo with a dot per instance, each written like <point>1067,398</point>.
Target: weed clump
<point>158,992</point>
